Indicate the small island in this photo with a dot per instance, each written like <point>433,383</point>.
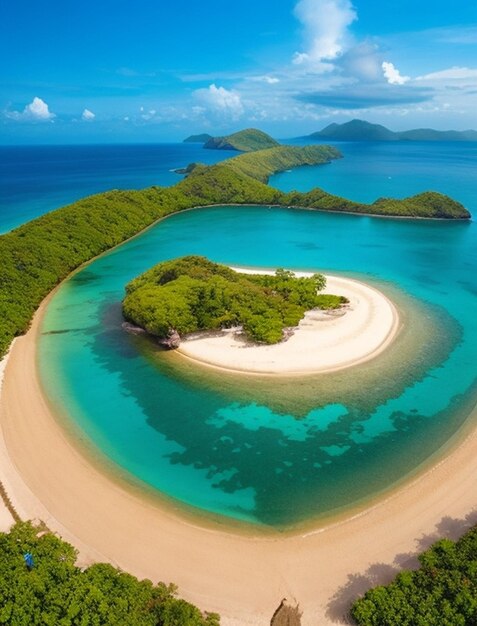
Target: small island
<point>259,321</point>
<point>201,138</point>
<point>191,294</point>
<point>248,140</point>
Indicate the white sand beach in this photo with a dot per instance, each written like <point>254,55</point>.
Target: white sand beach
<point>324,340</point>
<point>244,578</point>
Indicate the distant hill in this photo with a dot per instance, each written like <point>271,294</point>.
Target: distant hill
<point>359,130</point>
<point>356,130</point>
<point>203,138</point>
<point>247,140</point>
<point>427,134</point>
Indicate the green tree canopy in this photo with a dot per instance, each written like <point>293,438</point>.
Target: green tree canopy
<point>55,592</point>
<point>192,293</point>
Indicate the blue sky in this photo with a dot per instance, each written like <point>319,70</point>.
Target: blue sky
<point>114,70</point>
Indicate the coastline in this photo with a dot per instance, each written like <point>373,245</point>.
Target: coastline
<point>6,515</point>
<point>322,343</point>
<point>242,577</point>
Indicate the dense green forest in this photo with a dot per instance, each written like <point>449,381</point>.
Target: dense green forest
<point>247,140</point>
<point>192,293</point>
<point>261,165</point>
<point>51,590</point>
<point>35,257</point>
<point>442,592</point>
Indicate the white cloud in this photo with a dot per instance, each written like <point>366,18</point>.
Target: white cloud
<point>37,110</point>
<point>326,29</point>
<point>224,101</point>
<point>453,73</point>
<point>362,62</point>
<point>270,80</point>
<point>392,74</point>
<point>87,115</point>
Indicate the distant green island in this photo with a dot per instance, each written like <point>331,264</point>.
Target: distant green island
<point>360,130</point>
<point>38,255</point>
<point>247,140</point>
<point>198,138</point>
<point>191,294</point>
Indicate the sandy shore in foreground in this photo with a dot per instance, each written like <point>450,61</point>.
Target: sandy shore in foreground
<point>243,578</point>
<point>6,519</point>
<point>323,341</point>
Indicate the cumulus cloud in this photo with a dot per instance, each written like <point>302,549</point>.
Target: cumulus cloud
<point>87,115</point>
<point>392,74</point>
<point>37,110</point>
<point>223,101</point>
<point>326,29</point>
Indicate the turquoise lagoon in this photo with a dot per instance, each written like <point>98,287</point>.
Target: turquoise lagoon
<point>276,453</point>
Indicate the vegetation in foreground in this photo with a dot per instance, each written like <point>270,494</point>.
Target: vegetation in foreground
<point>48,589</point>
<point>443,592</point>
<point>191,293</point>
<point>38,255</point>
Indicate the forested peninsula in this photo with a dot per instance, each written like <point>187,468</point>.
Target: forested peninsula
<point>38,255</point>
<point>192,294</point>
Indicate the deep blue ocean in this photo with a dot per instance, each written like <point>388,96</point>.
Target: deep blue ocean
<point>38,179</point>
<point>281,453</point>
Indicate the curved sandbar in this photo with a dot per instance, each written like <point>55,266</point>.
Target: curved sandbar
<point>243,577</point>
<point>324,341</point>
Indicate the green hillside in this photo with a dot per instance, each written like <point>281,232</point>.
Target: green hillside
<point>355,130</point>
<point>247,140</point>
<point>261,165</point>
